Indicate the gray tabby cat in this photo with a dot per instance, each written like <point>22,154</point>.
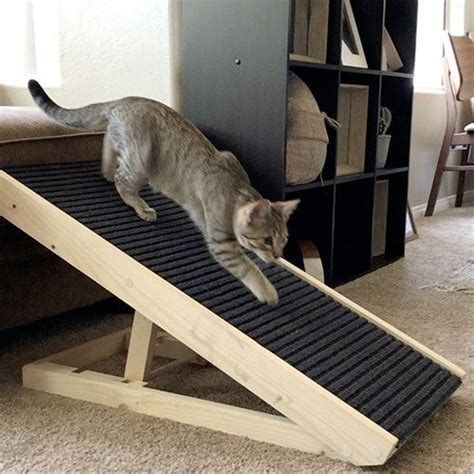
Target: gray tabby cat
<point>147,142</point>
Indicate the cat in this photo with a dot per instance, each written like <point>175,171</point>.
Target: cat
<point>148,143</point>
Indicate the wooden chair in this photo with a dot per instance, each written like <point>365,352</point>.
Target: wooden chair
<point>458,79</point>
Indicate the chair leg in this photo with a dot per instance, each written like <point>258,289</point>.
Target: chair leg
<point>462,177</point>
<point>443,158</point>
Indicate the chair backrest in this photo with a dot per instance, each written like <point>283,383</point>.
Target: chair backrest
<point>451,108</point>
<point>459,53</point>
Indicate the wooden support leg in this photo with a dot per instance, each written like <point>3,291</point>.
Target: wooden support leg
<point>462,177</point>
<point>172,365</point>
<point>141,349</point>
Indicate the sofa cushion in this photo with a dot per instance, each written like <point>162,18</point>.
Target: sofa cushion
<point>28,136</point>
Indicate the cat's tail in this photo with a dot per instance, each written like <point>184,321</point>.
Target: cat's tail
<point>92,116</point>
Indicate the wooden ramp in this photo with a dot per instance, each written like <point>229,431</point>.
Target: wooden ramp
<point>347,383</point>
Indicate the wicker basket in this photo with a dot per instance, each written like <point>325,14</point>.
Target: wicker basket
<point>307,137</point>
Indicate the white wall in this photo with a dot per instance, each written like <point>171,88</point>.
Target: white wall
<point>428,126</point>
<point>109,49</point>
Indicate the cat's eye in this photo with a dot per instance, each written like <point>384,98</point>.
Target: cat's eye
<point>268,241</point>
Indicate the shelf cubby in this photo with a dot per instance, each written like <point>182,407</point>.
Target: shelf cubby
<point>334,32</point>
<point>373,84</point>
<point>379,224</point>
<point>353,229</point>
<point>312,220</point>
<point>236,59</point>
<point>368,15</point>
<point>323,84</point>
<point>390,194</point>
<point>397,95</point>
<point>400,21</point>
<point>333,50</point>
<point>396,215</point>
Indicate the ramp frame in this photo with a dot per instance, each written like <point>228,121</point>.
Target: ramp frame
<point>63,374</point>
<point>316,420</point>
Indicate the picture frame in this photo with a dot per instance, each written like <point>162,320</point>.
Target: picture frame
<point>352,51</point>
<point>352,112</point>
<point>310,30</point>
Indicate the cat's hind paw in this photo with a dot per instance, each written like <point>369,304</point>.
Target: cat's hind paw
<point>267,294</point>
<point>272,297</point>
<point>148,215</point>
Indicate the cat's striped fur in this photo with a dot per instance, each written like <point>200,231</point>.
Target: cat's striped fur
<point>147,142</point>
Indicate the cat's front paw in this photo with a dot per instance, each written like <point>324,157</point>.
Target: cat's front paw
<point>272,296</point>
<point>148,215</point>
<point>267,294</point>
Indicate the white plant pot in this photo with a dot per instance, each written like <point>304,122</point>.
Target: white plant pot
<point>383,145</point>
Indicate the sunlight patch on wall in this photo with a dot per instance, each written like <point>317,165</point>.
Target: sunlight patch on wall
<point>29,42</point>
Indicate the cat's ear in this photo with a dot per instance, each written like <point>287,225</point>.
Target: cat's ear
<point>286,208</point>
<point>258,212</point>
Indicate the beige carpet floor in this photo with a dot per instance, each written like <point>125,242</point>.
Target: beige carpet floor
<point>428,295</point>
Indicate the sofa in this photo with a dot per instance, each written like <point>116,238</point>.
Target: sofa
<point>35,283</point>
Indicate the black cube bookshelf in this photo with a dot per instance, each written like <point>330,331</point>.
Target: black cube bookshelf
<point>235,64</point>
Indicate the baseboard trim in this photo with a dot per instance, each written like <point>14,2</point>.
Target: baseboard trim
<point>442,204</point>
